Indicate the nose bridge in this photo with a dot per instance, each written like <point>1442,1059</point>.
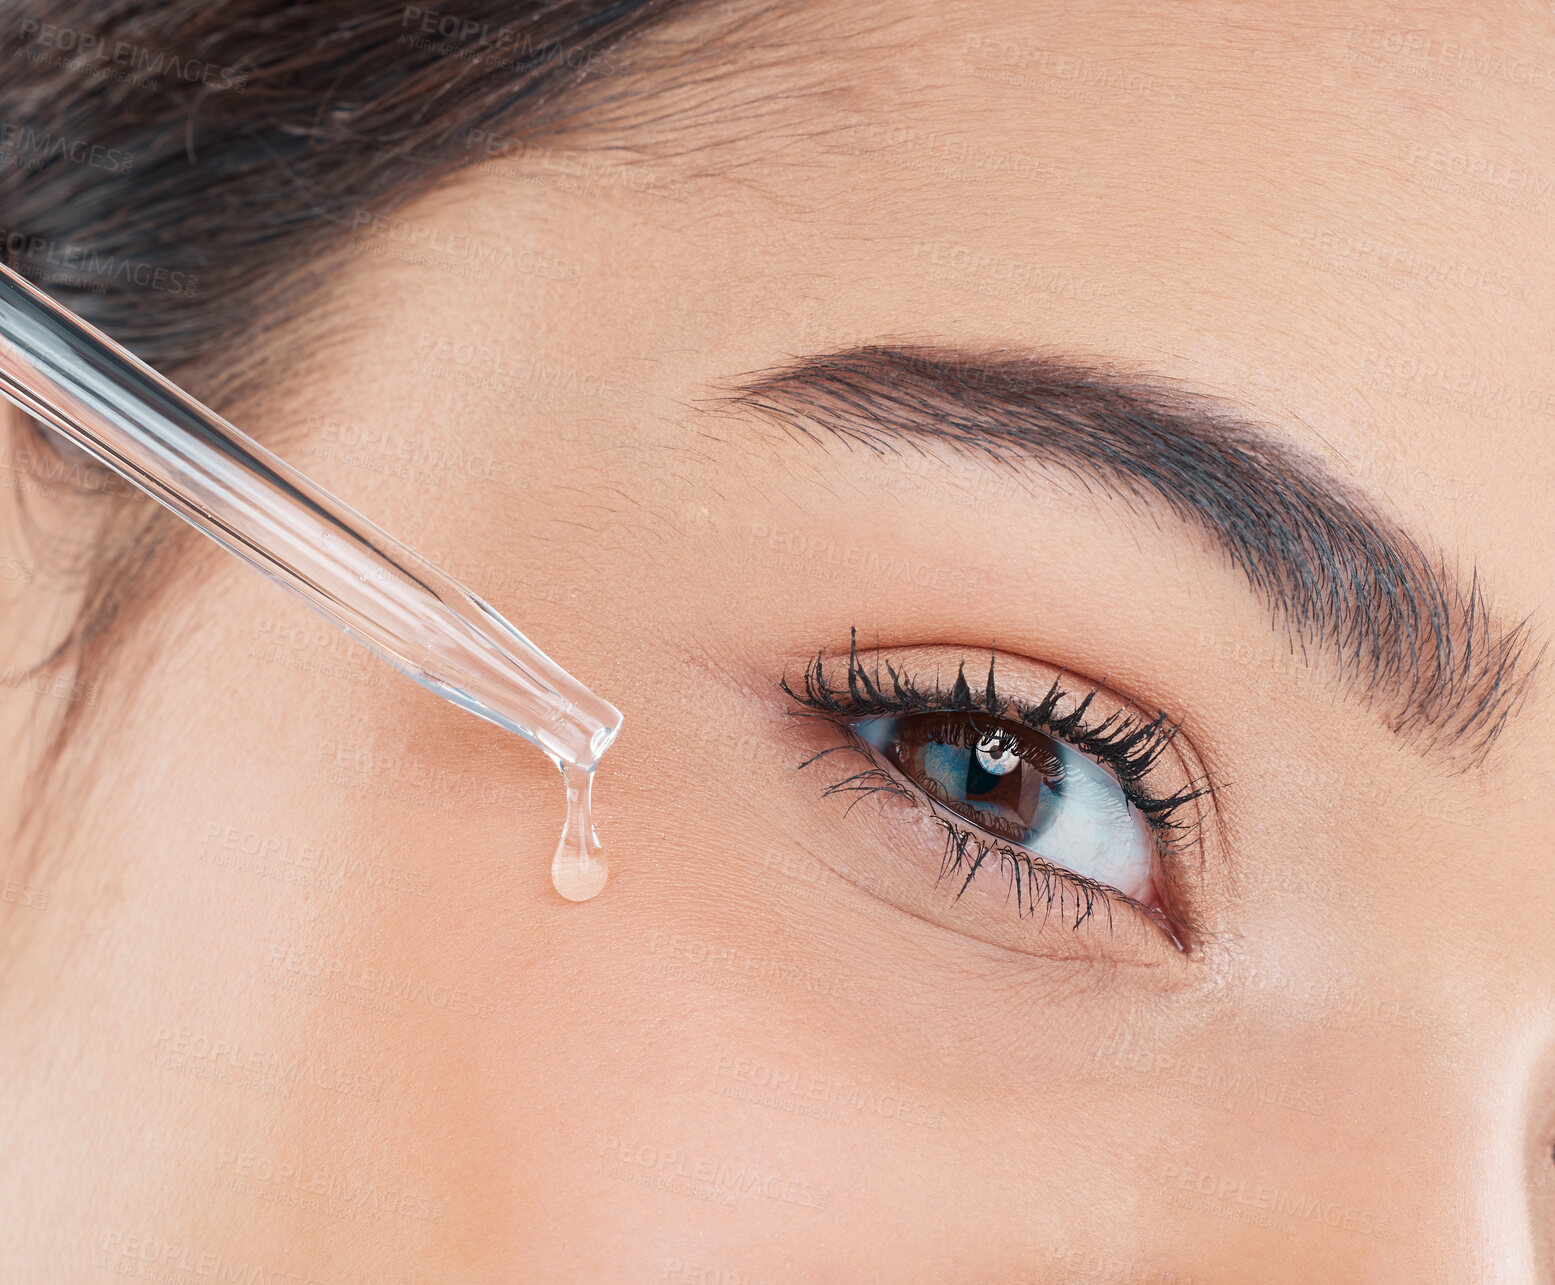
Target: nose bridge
<point>1457,1185</point>
<point>1424,1161</point>
<point>1377,1118</point>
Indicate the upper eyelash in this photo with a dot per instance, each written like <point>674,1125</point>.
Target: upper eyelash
<point>1126,745</point>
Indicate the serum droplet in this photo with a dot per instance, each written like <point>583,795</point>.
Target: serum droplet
<point>579,869</point>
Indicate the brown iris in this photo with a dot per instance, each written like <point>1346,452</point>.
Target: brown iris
<point>984,769</point>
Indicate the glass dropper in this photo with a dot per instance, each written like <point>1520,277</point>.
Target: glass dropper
<point>65,372</point>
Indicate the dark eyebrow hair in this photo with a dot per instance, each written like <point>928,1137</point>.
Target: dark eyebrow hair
<point>1413,638</point>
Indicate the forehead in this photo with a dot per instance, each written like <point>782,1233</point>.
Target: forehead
<point>1336,217</point>
<point>1335,222</point>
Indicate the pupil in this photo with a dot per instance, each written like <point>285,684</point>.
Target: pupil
<point>990,766</point>
<point>995,755</point>
<point>987,774</point>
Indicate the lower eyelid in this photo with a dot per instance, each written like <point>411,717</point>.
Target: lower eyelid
<point>878,692</point>
<point>964,836</point>
<point>903,869</point>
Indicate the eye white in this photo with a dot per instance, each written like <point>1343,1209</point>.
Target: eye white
<point>1090,827</point>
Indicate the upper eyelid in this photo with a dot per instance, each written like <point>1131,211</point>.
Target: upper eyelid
<point>1124,742</point>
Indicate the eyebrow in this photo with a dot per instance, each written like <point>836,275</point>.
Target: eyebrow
<point>1414,639</point>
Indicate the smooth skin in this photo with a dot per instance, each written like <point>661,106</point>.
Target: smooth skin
<point>762,1056</point>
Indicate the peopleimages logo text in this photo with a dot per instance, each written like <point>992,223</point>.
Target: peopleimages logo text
<point>139,59</point>
<point>96,269</point>
<point>37,147</point>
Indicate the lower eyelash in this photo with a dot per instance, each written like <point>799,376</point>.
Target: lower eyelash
<point>1043,880</point>
<point>1032,879</point>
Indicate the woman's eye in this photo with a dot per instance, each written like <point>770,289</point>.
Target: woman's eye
<point>1057,795</point>
<point>1025,790</point>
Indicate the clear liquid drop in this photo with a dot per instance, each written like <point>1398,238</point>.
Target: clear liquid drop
<point>579,869</point>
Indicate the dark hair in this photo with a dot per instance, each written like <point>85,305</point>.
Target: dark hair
<point>178,173</point>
